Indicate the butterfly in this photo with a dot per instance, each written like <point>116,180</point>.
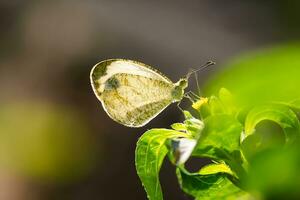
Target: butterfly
<point>133,93</point>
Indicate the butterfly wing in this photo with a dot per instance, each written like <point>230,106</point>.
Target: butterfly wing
<point>130,92</point>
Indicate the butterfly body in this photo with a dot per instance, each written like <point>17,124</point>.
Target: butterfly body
<point>133,93</point>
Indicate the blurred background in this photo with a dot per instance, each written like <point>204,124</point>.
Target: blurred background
<point>56,141</point>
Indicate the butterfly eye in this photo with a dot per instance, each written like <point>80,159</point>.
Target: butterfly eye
<point>183,83</point>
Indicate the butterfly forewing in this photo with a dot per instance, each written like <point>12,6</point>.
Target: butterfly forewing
<point>131,93</point>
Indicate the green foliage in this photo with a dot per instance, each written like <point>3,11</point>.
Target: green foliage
<point>242,152</point>
<point>212,141</point>
<point>150,152</point>
<point>264,76</point>
<point>215,168</point>
<point>209,186</point>
<point>220,141</point>
<point>275,173</point>
<point>251,137</point>
<point>283,115</point>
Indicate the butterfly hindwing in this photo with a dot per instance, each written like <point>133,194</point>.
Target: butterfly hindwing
<point>131,94</point>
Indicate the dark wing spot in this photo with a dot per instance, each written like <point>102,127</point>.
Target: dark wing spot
<point>112,83</point>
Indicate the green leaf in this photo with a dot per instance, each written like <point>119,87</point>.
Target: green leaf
<point>215,168</point>
<point>228,101</point>
<point>220,132</point>
<point>178,127</point>
<point>194,127</point>
<point>274,173</point>
<point>149,155</point>
<point>280,114</point>
<point>223,104</point>
<point>251,145</point>
<point>270,74</point>
<point>210,186</point>
<point>191,125</point>
<point>216,106</point>
<point>295,104</point>
<point>220,140</point>
<point>187,114</point>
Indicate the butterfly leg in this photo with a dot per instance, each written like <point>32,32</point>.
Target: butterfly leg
<point>191,96</point>
<point>195,95</point>
<point>178,105</point>
<point>187,96</point>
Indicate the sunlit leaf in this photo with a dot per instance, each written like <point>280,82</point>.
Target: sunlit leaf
<point>280,114</point>
<point>209,187</point>
<point>270,74</point>
<point>220,140</point>
<point>220,132</point>
<point>149,155</point>
<point>191,125</point>
<point>274,173</point>
<point>228,101</point>
<point>178,127</point>
<point>215,168</point>
<point>214,105</point>
<point>194,127</point>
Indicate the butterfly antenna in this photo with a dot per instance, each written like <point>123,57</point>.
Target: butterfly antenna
<point>209,63</point>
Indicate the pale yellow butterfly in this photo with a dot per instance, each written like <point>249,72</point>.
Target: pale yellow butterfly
<point>133,93</point>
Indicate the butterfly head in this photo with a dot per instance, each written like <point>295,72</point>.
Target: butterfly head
<point>178,90</point>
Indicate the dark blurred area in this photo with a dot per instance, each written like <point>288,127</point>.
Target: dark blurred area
<point>56,141</point>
